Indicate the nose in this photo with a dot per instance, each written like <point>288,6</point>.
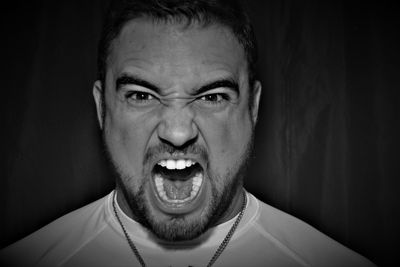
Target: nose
<point>177,127</point>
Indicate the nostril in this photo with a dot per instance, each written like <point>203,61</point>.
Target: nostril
<point>177,134</point>
<point>177,146</point>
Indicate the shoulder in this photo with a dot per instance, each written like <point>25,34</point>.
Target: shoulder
<point>57,240</point>
<point>302,239</point>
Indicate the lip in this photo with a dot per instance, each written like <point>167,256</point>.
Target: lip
<point>196,158</point>
<point>179,208</point>
<point>182,208</point>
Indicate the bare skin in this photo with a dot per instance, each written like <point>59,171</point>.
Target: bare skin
<point>179,94</point>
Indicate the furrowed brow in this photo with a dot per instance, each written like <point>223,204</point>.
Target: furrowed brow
<point>126,79</point>
<point>225,83</point>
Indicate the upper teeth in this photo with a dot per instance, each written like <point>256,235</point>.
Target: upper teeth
<point>176,164</point>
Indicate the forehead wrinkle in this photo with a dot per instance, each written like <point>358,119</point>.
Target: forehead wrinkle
<point>175,74</point>
<point>174,78</point>
<point>182,49</point>
<point>176,29</point>
<point>176,34</point>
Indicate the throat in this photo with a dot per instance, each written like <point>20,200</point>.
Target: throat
<point>176,191</point>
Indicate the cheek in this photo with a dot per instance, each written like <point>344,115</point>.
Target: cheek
<point>228,137</point>
<point>234,137</point>
<point>126,140</point>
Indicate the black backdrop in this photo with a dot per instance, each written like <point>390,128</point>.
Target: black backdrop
<point>327,141</point>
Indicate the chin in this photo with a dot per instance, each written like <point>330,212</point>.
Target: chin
<point>169,227</point>
<point>181,227</point>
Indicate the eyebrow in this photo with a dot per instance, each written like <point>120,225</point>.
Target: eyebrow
<point>226,83</point>
<point>126,79</point>
<point>132,80</point>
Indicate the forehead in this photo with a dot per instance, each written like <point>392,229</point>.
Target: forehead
<point>177,49</point>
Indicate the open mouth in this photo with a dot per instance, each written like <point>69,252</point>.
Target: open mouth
<point>177,182</point>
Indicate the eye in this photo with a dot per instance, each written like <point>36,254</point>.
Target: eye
<point>216,98</point>
<point>139,96</point>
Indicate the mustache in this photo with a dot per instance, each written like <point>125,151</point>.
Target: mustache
<point>163,148</point>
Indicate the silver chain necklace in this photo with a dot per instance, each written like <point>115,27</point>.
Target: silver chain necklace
<point>217,253</point>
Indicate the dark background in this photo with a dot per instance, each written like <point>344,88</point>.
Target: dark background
<point>327,141</point>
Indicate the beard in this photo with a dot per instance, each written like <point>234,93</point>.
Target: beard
<point>183,227</point>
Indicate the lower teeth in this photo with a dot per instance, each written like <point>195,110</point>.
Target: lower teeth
<point>196,184</point>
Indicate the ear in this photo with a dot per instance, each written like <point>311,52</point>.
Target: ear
<point>256,101</point>
<point>98,95</point>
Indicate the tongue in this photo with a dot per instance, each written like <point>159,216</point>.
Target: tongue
<point>177,189</point>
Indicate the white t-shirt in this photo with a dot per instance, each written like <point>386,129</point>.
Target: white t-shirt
<point>91,236</point>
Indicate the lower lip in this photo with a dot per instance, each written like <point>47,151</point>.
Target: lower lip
<point>180,208</point>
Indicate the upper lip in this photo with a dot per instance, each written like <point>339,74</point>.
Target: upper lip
<point>196,158</point>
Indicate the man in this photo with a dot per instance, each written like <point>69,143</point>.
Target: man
<point>177,102</point>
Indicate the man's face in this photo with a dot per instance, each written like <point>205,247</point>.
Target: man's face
<point>177,125</point>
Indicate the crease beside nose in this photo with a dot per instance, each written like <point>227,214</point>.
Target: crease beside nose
<point>177,128</point>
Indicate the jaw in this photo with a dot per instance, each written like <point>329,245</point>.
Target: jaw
<point>177,221</point>
<point>178,218</point>
<point>175,218</point>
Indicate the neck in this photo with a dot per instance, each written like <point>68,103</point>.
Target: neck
<point>233,209</point>
<point>123,204</point>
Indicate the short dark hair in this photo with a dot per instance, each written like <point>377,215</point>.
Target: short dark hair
<point>226,12</point>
